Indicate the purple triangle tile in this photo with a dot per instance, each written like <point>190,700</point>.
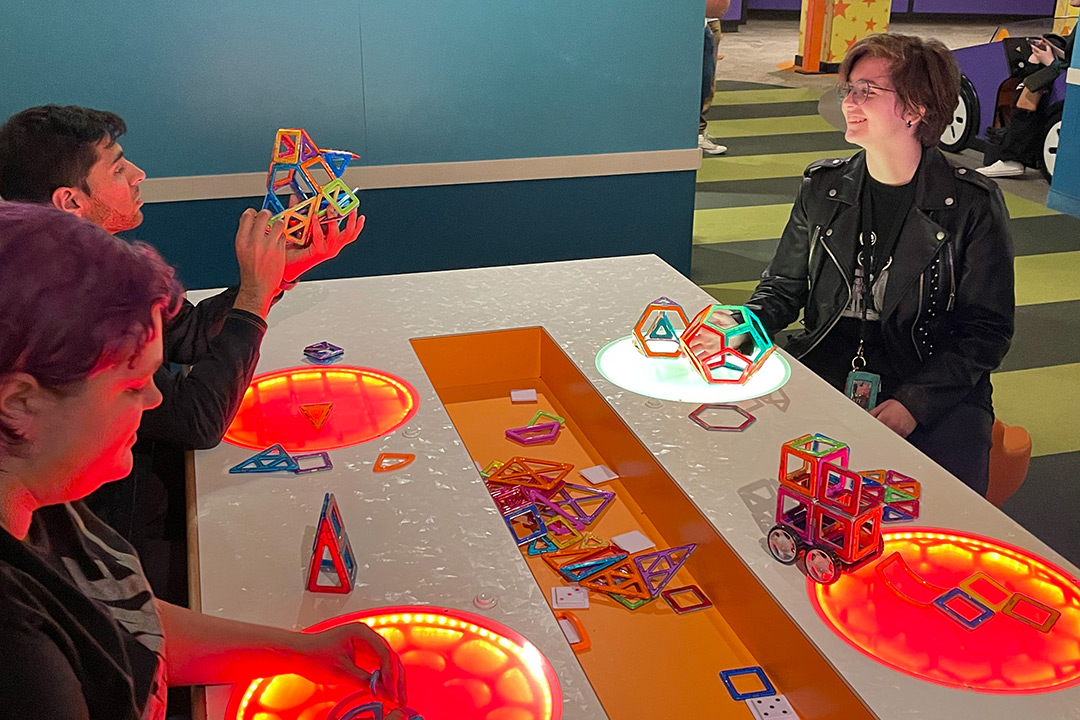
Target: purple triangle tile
<point>563,499</point>
<point>543,502</point>
<point>659,567</point>
<point>533,434</point>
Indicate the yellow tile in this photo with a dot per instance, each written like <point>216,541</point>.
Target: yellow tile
<point>765,96</point>
<point>755,222</point>
<point>1045,402</point>
<point>754,127</point>
<point>1023,208</point>
<point>1047,278</point>
<point>757,167</point>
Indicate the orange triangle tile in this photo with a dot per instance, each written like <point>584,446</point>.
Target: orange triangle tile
<point>387,462</point>
<point>317,413</point>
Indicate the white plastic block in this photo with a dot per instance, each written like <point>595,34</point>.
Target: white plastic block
<point>570,598</point>
<point>775,707</point>
<point>633,542</point>
<point>598,474</point>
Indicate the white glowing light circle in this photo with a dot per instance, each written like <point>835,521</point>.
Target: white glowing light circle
<point>676,379</point>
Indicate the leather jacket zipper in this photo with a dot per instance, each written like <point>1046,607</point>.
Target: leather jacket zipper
<point>918,312</point>
<point>847,284</point>
<point>810,256</point>
<point>952,278</point>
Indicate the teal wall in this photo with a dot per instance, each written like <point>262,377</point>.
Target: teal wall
<point>204,85</point>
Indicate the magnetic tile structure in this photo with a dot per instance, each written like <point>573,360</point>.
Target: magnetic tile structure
<point>332,551</point>
<point>657,331</point>
<point>737,341</point>
<point>300,168</point>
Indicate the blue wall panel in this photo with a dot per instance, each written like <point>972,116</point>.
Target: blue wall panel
<point>1065,193</point>
<point>203,85</point>
<point>457,226</point>
<point>476,79</point>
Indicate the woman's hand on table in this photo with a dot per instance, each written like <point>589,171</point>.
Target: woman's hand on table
<point>340,655</point>
<point>896,417</point>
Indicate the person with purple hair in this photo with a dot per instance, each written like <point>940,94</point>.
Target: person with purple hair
<point>82,634</point>
<point>70,157</point>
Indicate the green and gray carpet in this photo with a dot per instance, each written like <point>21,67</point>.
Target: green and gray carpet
<point>743,201</point>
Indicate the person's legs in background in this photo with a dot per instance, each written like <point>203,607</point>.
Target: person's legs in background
<point>1020,146</point>
<point>708,89</point>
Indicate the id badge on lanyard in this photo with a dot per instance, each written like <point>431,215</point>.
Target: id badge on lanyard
<point>862,386</point>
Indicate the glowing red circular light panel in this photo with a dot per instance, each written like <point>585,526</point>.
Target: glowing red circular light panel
<point>890,615</point>
<point>321,408</point>
<point>458,666</point>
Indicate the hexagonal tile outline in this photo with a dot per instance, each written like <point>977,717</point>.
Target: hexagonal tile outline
<point>747,422</point>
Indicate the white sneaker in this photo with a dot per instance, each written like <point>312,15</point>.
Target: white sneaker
<point>1003,168</point>
<point>708,147</point>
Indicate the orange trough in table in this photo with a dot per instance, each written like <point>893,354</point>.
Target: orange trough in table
<point>649,662</point>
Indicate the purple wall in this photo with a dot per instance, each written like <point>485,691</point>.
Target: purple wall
<point>735,12</point>
<point>987,7</point>
<point>774,4</point>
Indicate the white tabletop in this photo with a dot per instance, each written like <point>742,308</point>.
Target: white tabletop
<point>429,533</point>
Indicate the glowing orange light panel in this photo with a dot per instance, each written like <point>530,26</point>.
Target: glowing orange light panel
<point>458,666</point>
<point>277,408</point>
<point>890,616</point>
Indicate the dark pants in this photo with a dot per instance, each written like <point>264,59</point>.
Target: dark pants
<point>960,442</point>
<point>1023,138</point>
<point>708,77</point>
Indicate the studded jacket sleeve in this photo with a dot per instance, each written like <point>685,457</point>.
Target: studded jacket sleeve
<point>980,326</point>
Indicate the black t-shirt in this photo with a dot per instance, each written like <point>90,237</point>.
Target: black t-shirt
<point>79,633</point>
<point>831,358</point>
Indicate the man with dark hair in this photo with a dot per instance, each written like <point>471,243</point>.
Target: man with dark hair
<point>70,157</point>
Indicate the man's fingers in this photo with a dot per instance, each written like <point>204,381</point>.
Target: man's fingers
<point>247,221</point>
<point>276,233</point>
<point>354,224</point>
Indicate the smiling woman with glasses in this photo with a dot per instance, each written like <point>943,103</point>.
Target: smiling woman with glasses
<point>859,91</point>
<point>900,263</point>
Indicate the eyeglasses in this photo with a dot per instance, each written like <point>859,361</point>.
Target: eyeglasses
<point>859,91</point>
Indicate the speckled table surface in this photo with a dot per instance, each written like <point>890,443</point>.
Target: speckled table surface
<point>429,533</point>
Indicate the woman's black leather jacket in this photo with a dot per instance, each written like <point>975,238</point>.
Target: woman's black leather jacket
<point>947,316</point>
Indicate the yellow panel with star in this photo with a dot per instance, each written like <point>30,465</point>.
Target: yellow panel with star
<point>1065,17</point>
<point>852,20</point>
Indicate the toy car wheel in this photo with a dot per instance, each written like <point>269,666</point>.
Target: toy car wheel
<point>965,119</point>
<point>784,545</point>
<point>1051,133</point>
<point>822,566</point>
